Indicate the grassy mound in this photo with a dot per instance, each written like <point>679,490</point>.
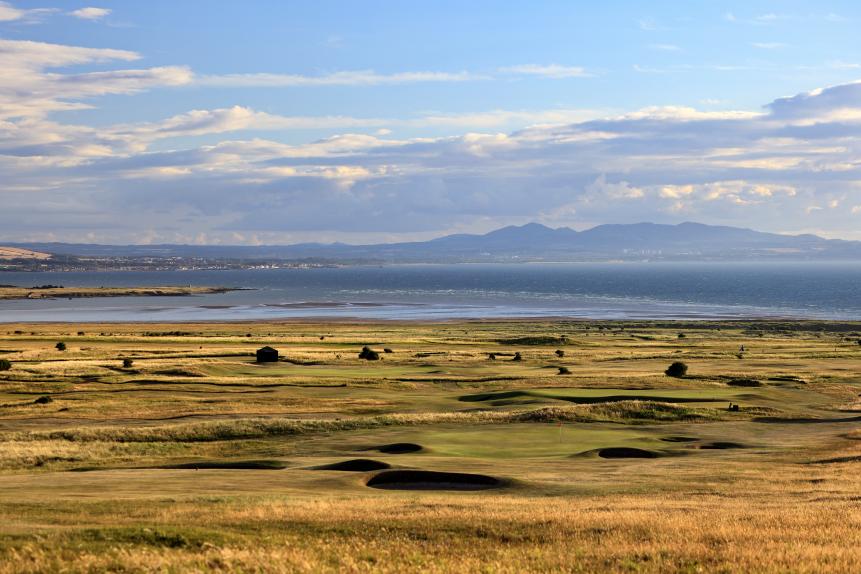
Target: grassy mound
<point>355,465</point>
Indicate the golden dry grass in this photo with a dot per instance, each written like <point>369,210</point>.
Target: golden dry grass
<point>787,502</point>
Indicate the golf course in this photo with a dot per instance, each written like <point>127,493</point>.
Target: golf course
<point>482,446</point>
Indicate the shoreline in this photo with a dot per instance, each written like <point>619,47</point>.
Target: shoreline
<point>14,293</point>
<point>854,324</point>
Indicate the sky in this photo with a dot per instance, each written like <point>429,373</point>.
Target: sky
<point>274,122</point>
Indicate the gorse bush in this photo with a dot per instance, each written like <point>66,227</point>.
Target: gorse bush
<point>60,346</point>
<point>369,354</point>
<point>5,365</point>
<point>127,363</point>
<point>677,369</point>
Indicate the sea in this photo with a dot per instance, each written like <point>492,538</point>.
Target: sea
<point>684,291</point>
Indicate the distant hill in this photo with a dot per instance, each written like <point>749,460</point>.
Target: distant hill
<point>8,253</point>
<point>531,242</point>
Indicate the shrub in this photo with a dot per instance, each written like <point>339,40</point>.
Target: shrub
<point>81,333</point>
<point>564,371</point>
<point>387,350</point>
<point>517,357</point>
<point>677,369</point>
<point>127,363</point>
<point>682,335</point>
<point>491,357</point>
<point>560,353</point>
<point>60,346</point>
<point>5,365</point>
<point>43,400</point>
<point>369,354</point>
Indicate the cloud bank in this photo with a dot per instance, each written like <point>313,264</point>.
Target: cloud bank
<point>794,165</point>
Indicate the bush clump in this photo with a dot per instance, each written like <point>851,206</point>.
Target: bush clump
<point>128,363</point>
<point>5,365</point>
<point>369,354</point>
<point>564,371</point>
<point>61,346</point>
<point>560,353</point>
<point>677,369</point>
<point>517,357</point>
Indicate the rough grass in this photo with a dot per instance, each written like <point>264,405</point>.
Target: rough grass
<point>618,411</point>
<point>191,442</point>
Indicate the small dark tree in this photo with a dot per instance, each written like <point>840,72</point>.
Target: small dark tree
<point>369,354</point>
<point>60,346</point>
<point>387,350</point>
<point>517,357</point>
<point>564,371</point>
<point>127,363</point>
<point>491,357</point>
<point>5,365</point>
<point>682,335</point>
<point>677,369</point>
<point>43,400</point>
<point>560,353</point>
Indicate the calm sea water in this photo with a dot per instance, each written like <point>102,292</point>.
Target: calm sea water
<point>607,291</point>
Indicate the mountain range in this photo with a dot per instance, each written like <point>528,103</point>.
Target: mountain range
<point>530,242</point>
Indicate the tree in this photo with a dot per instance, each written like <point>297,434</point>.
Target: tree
<point>5,365</point>
<point>677,369</point>
<point>560,353</point>
<point>127,363</point>
<point>517,357</point>
<point>564,371</point>
<point>60,346</point>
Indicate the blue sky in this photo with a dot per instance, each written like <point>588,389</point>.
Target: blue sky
<point>275,122</point>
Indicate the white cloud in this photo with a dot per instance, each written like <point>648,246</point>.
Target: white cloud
<point>9,12</point>
<point>28,89</point>
<point>554,71</point>
<point>90,13</point>
<point>349,78</point>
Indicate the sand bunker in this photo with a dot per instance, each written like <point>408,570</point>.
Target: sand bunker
<point>432,480</point>
<point>626,452</point>
<point>355,465</point>
<point>399,448</point>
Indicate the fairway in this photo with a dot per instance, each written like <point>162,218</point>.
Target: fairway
<point>193,456</point>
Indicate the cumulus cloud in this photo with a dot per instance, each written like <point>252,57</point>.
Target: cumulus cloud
<point>90,13</point>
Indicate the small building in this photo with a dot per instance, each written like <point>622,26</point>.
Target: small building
<point>267,355</point>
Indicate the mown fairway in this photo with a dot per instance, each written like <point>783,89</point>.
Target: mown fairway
<point>195,457</point>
